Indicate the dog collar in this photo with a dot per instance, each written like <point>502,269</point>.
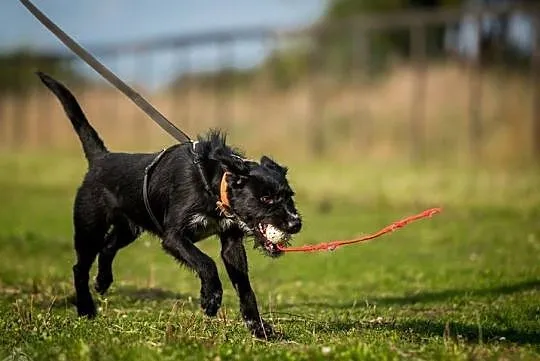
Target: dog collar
<point>223,203</point>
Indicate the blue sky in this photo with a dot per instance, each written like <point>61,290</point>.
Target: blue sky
<point>112,21</point>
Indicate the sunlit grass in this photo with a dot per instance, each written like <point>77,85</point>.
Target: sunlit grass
<point>463,285</point>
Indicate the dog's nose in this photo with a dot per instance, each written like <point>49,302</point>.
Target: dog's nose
<point>294,225</point>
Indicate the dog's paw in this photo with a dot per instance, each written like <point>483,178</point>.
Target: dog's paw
<point>86,308</point>
<point>261,329</point>
<point>211,301</point>
<point>103,282</point>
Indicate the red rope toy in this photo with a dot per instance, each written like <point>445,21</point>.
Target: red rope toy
<point>330,246</point>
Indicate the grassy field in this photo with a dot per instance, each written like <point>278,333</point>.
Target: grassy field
<point>464,285</point>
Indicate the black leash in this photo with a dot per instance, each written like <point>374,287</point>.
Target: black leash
<point>135,97</point>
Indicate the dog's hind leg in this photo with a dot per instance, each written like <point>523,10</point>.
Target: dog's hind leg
<point>90,228</point>
<point>87,250</point>
<point>121,235</point>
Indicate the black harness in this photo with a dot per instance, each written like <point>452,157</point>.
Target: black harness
<point>197,161</point>
<point>147,171</point>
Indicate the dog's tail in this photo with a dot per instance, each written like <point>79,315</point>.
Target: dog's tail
<point>91,142</point>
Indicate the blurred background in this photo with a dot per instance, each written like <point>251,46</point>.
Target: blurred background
<point>380,109</point>
<point>418,100</point>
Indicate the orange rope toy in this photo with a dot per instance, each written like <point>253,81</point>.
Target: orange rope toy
<point>330,246</point>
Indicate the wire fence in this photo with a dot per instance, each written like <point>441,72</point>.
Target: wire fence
<point>330,90</point>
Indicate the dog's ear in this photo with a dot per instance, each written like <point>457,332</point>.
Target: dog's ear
<point>269,163</point>
<point>229,161</point>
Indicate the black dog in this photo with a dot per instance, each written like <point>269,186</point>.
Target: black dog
<point>183,195</point>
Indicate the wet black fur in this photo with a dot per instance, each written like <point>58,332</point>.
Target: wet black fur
<point>109,212</point>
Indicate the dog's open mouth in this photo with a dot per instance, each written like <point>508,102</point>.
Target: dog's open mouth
<point>269,237</point>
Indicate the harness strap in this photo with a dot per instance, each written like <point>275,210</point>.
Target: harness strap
<point>147,171</point>
<point>222,202</point>
<point>197,161</point>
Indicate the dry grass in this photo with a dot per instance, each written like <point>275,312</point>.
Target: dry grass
<point>373,120</point>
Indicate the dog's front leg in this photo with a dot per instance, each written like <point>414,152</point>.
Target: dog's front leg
<point>183,249</point>
<point>234,257</point>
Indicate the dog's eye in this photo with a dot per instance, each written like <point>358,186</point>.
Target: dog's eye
<point>267,200</point>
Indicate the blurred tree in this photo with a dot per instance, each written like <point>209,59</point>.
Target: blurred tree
<point>339,9</point>
<point>223,79</point>
<point>495,46</point>
<point>17,70</point>
<point>286,67</point>
<point>382,44</point>
<point>335,46</point>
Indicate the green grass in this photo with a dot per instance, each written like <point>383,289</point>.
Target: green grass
<point>463,285</point>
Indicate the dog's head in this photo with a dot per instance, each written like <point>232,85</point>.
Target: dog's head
<point>260,195</point>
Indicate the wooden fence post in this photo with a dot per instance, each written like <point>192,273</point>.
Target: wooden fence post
<point>361,55</point>
<point>222,111</point>
<point>418,55</point>
<point>316,131</point>
<point>475,97</point>
<point>535,79</point>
